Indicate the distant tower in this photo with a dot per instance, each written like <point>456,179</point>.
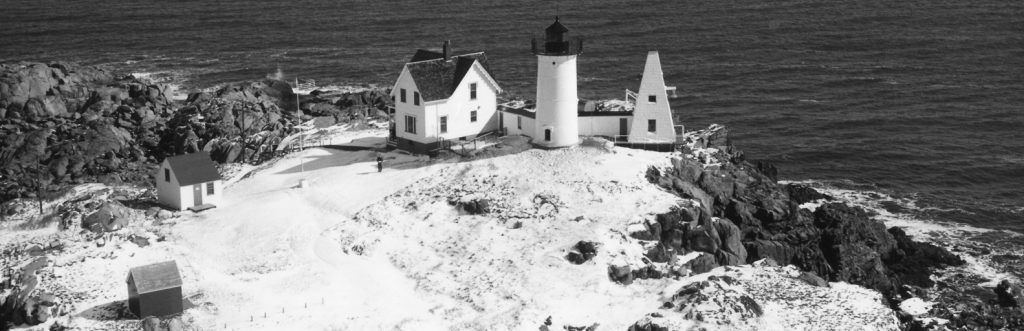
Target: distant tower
<point>556,124</point>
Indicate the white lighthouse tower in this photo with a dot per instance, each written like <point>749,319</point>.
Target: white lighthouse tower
<point>557,124</point>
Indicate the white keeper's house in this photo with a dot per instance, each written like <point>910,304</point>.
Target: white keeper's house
<point>439,97</point>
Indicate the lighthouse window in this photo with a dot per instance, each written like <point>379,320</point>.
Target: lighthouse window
<point>652,98</point>
<point>519,122</point>
<point>410,124</point>
<point>444,124</point>
<point>652,125</point>
<point>402,95</point>
<point>472,116</point>
<point>472,93</point>
<point>547,134</point>
<point>167,175</point>
<point>416,98</point>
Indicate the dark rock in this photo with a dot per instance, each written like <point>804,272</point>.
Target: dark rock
<point>1010,295</point>
<point>731,240</point>
<point>814,280</point>
<point>582,252</point>
<point>476,206</point>
<point>702,264</point>
<point>621,274</point>
<point>912,262</point>
<point>801,194</point>
<point>112,216</point>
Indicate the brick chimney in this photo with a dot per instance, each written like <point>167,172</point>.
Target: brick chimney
<point>446,49</point>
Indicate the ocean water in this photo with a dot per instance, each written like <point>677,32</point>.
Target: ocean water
<point>918,103</point>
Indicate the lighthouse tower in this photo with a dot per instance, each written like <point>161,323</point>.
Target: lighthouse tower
<point>556,124</point>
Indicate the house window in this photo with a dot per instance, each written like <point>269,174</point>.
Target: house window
<point>410,124</point>
<point>401,95</point>
<point>209,188</point>
<point>416,98</point>
<point>472,116</point>
<point>652,125</point>
<point>167,175</point>
<point>652,98</point>
<point>519,122</point>
<point>444,124</point>
<point>472,91</point>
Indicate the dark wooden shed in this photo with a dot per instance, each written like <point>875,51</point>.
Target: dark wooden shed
<point>155,290</point>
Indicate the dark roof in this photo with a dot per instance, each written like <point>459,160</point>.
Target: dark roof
<point>155,277</point>
<point>556,27</point>
<point>604,113</point>
<point>193,168</point>
<point>438,78</point>
<point>518,111</point>
<point>423,55</point>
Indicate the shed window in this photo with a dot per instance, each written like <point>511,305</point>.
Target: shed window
<point>472,116</point>
<point>652,125</point>
<point>444,124</point>
<point>410,124</point>
<point>167,175</point>
<point>652,98</point>
<point>401,95</point>
<point>472,91</point>
<point>209,188</point>
<point>416,98</point>
<point>519,122</point>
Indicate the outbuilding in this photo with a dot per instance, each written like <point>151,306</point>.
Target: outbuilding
<point>189,181</point>
<point>155,290</point>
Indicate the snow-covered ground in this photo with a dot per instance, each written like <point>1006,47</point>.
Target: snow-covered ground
<point>357,249</point>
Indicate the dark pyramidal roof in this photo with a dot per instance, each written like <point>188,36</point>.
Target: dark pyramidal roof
<point>557,27</point>
<point>193,168</point>
<point>437,77</point>
<point>155,277</point>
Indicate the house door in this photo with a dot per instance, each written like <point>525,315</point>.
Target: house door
<point>623,130</point>
<point>197,194</point>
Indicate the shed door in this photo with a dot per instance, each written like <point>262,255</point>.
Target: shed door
<point>623,130</point>
<point>197,194</point>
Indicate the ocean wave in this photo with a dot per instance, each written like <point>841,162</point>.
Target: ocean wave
<point>169,78</point>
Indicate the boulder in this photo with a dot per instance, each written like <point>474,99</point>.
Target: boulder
<point>620,273</point>
<point>111,216</point>
<point>731,240</point>
<point>151,324</point>
<point>1009,294</point>
<point>803,194</point>
<point>814,280</point>
<point>703,263</point>
<point>582,252</point>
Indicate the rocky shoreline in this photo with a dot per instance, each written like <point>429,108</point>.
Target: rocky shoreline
<point>63,124</point>
<point>737,213</point>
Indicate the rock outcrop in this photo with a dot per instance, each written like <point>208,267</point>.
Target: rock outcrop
<point>62,124</point>
<point>737,213</point>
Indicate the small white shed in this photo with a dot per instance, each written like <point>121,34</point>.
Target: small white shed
<point>189,181</point>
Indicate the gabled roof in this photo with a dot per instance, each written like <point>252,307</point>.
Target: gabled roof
<point>424,55</point>
<point>438,78</point>
<point>193,168</point>
<point>155,277</point>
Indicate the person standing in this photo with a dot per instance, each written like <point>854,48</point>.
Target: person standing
<point>380,163</point>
